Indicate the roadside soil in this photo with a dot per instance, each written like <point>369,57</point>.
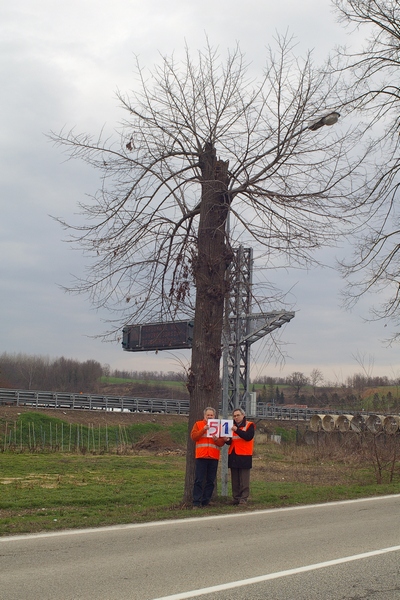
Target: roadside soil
<point>93,417</point>
<point>301,464</point>
<point>99,417</point>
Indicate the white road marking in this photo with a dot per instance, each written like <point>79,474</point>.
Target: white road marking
<point>236,584</point>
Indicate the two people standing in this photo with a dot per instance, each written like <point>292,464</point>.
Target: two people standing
<point>207,454</point>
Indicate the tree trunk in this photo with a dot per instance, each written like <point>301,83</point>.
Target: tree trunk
<point>213,257</point>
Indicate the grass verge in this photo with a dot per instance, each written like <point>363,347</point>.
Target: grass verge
<point>53,491</point>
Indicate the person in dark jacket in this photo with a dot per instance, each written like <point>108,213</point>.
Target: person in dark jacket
<point>240,456</point>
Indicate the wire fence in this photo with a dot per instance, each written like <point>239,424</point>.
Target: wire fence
<point>28,436</point>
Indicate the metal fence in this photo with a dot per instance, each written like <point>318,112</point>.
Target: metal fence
<point>65,400</point>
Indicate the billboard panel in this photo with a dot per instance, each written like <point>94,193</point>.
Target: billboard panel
<point>158,336</point>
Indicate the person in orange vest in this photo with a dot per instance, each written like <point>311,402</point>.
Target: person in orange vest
<point>207,456</point>
<point>240,456</point>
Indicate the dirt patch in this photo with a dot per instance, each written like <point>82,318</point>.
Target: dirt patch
<point>93,417</point>
<point>101,417</point>
<point>160,443</point>
<point>301,472</point>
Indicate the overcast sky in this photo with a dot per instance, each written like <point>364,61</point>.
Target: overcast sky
<point>61,64</point>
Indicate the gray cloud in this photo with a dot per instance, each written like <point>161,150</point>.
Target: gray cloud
<point>60,65</point>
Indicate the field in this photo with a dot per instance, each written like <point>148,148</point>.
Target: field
<point>141,478</point>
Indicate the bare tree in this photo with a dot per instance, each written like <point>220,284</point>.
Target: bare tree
<point>366,365</point>
<point>374,92</point>
<point>156,229</point>
<point>316,378</point>
<point>297,381</point>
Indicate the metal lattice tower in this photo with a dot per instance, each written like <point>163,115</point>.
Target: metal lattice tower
<point>241,329</point>
<point>237,308</point>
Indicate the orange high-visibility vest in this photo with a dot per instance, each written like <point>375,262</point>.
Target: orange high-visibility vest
<point>206,446</point>
<point>240,446</point>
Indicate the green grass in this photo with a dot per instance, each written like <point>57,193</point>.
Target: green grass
<point>180,385</point>
<point>52,491</point>
<point>294,494</point>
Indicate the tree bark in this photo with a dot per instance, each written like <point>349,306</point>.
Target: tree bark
<point>213,257</point>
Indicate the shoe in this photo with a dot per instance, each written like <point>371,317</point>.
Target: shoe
<point>235,502</point>
<point>242,501</point>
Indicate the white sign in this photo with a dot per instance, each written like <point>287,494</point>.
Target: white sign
<point>219,427</point>
<point>226,428</point>
<point>213,427</point>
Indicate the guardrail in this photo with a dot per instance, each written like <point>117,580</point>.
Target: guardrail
<point>320,420</point>
<point>65,400</point>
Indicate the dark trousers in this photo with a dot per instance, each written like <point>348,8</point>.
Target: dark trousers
<point>240,479</point>
<point>204,480</point>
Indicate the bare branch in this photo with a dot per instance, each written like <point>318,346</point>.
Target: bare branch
<point>372,91</point>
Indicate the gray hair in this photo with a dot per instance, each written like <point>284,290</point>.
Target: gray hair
<point>210,408</point>
<point>239,410</point>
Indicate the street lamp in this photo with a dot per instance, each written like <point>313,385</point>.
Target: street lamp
<point>329,119</point>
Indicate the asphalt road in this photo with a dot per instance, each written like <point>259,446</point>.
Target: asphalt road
<point>343,550</point>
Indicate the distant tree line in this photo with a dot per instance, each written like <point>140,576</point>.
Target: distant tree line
<point>298,380</point>
<point>143,375</point>
<point>356,393</point>
<point>42,373</point>
<point>268,380</point>
<point>22,371</point>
